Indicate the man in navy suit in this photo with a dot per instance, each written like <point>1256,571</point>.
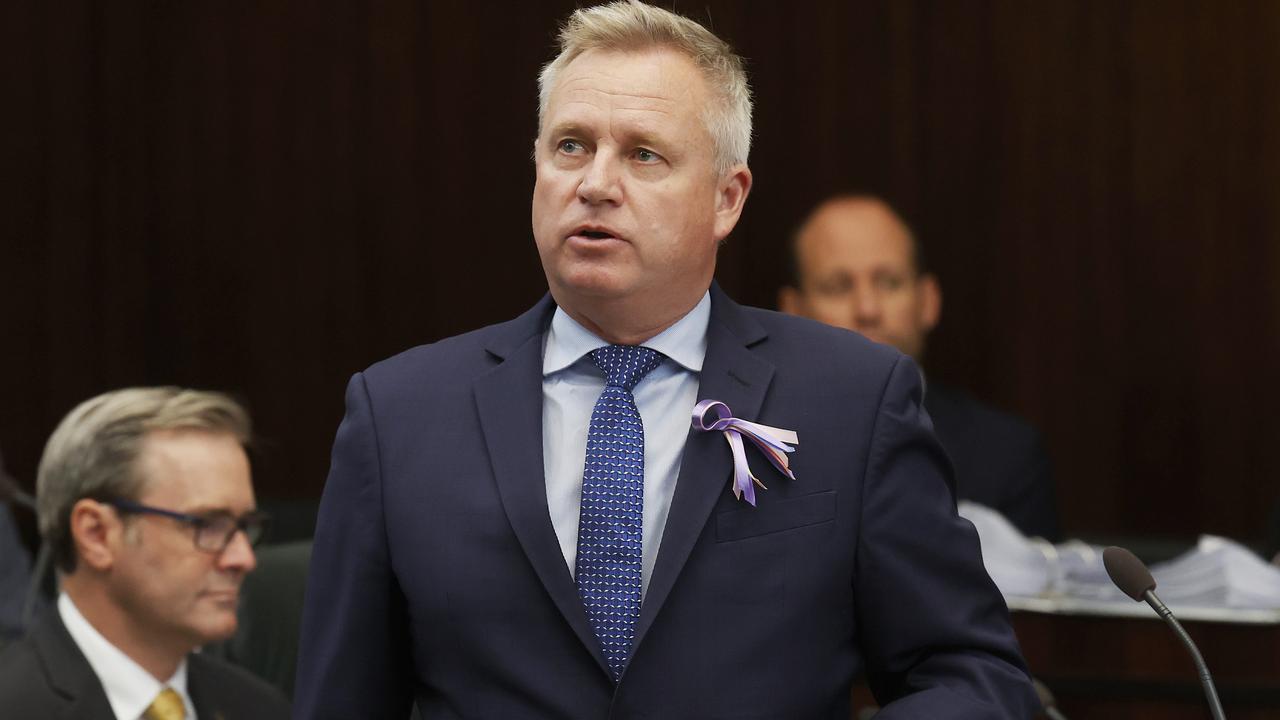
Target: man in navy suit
<point>490,544</point>
<point>857,265</point>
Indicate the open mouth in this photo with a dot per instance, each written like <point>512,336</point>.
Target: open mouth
<point>594,233</point>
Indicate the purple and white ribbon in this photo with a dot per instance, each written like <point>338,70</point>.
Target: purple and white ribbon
<point>772,442</point>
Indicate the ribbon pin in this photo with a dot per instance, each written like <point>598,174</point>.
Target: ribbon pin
<point>772,442</point>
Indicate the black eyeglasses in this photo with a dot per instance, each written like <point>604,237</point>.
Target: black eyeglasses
<point>213,530</point>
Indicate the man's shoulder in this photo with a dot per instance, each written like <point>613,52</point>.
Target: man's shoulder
<point>221,688</point>
<point>793,344</point>
<point>464,355</point>
<point>459,352</point>
<point>38,670</point>
<point>19,668</point>
<point>958,411</point>
<point>805,345</point>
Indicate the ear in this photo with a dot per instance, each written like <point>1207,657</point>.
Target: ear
<point>96,532</point>
<point>789,300</point>
<point>731,196</point>
<point>930,301</point>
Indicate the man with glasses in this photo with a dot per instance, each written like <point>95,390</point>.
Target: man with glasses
<point>144,496</point>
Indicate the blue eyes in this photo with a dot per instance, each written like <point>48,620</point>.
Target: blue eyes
<point>569,146</point>
<point>573,147</point>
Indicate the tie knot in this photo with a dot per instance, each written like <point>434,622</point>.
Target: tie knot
<point>167,706</point>
<point>625,365</point>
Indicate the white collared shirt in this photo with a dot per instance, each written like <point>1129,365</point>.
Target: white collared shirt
<point>571,384</point>
<point>129,688</point>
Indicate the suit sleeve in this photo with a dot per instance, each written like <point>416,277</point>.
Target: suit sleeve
<point>354,658</point>
<point>935,631</point>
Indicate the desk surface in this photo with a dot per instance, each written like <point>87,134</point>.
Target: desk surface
<point>1140,610</point>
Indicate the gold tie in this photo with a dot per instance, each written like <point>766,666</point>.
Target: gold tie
<point>167,706</point>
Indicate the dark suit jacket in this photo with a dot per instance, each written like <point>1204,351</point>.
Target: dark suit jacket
<point>1271,544</point>
<point>44,676</point>
<point>15,576</point>
<point>999,460</point>
<point>436,573</point>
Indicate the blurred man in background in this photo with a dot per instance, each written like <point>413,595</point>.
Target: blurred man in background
<point>144,496</point>
<point>857,265</point>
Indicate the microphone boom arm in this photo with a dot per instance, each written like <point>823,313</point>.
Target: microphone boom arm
<point>1210,692</point>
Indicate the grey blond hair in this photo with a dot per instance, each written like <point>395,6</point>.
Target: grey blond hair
<point>93,452</point>
<point>629,25</point>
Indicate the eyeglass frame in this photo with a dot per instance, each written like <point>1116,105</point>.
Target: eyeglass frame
<point>255,520</point>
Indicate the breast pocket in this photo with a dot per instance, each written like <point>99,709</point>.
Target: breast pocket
<point>775,517</point>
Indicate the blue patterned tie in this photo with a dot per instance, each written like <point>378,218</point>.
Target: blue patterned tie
<point>610,525</point>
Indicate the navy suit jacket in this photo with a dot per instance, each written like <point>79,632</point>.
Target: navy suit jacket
<point>436,573</point>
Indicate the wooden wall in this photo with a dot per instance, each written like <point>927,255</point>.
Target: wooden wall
<point>266,197</point>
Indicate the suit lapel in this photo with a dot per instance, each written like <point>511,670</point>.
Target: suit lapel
<point>509,399</point>
<point>69,673</point>
<point>738,377</point>
<point>207,700</point>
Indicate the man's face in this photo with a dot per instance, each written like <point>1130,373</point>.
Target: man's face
<point>628,205</point>
<point>177,594</point>
<point>857,272</point>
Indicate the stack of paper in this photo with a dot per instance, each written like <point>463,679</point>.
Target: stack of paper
<point>1017,565</point>
<point>1217,573</point>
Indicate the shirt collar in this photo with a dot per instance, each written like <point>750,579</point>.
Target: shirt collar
<point>685,342</point>
<point>130,689</point>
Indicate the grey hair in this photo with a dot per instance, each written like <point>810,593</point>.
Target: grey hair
<point>628,25</point>
<point>94,450</point>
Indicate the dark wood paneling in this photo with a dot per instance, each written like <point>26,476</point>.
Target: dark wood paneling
<point>1106,668</point>
<point>267,197</point>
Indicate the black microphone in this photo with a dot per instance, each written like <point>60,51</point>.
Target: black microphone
<point>1134,579</point>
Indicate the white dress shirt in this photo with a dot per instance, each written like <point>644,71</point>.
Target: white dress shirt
<point>571,384</point>
<point>130,689</point>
